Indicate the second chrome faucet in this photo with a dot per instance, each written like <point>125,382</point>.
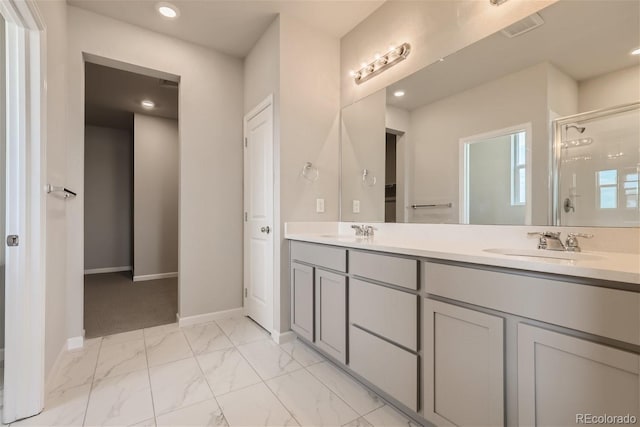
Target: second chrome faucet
<point>550,240</point>
<point>364,230</point>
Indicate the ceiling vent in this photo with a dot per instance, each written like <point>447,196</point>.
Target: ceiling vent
<point>527,24</point>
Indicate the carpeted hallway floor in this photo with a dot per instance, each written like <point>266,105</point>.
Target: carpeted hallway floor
<point>113,303</point>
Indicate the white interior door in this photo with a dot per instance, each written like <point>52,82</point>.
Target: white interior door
<point>258,202</point>
<point>24,220</point>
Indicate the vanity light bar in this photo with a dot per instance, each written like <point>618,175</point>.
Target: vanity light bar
<point>378,65</point>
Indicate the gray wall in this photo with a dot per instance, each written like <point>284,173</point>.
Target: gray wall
<point>108,184</point>
<point>155,197</point>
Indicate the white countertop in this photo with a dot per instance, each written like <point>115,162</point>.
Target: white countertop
<point>613,266</point>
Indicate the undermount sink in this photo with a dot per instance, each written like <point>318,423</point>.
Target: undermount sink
<point>543,253</point>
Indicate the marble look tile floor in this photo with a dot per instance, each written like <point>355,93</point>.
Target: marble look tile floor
<point>224,373</point>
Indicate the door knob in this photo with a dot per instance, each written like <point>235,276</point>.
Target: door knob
<point>265,229</point>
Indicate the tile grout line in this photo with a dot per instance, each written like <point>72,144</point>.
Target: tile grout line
<point>146,357</point>
<point>93,380</point>
<point>339,397</point>
<point>259,376</point>
<point>204,377</point>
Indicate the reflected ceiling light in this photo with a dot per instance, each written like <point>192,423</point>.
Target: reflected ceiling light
<point>398,93</point>
<point>148,104</point>
<point>635,51</point>
<point>382,62</point>
<point>168,10</point>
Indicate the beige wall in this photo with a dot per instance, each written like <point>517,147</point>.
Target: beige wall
<point>155,193</point>
<point>108,160</point>
<point>56,332</point>
<point>616,88</point>
<point>309,132</point>
<point>306,111</point>
<point>435,29</point>
<point>210,105</point>
<point>363,147</point>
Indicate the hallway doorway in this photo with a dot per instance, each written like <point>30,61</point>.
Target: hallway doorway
<point>131,201</point>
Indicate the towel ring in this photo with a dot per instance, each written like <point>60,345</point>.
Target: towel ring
<point>368,179</point>
<point>310,172</point>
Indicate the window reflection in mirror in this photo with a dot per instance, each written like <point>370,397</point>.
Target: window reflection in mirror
<point>495,177</point>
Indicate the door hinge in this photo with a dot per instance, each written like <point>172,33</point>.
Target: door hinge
<point>245,142</point>
<point>13,240</point>
<point>246,217</point>
<point>245,292</point>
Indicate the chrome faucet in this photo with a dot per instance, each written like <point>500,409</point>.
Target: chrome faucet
<point>364,230</point>
<point>572,244</point>
<point>359,230</point>
<point>549,240</point>
<point>369,230</point>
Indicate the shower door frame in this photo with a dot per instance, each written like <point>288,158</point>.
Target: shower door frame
<point>556,151</point>
<point>26,209</point>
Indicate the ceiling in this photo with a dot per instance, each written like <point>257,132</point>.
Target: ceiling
<point>582,38</point>
<point>233,26</point>
<point>112,96</point>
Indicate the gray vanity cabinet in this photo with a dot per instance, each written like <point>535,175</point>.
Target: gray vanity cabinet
<point>463,366</point>
<point>383,323</point>
<point>331,314</point>
<point>552,365</point>
<point>302,296</point>
<point>319,297</point>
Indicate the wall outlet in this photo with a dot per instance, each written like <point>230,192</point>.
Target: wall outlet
<point>319,205</point>
<point>356,206</point>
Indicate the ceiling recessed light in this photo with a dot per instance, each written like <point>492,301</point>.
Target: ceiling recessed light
<point>168,10</point>
<point>398,93</point>
<point>148,104</point>
<point>635,51</point>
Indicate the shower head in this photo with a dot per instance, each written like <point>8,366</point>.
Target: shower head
<point>580,129</point>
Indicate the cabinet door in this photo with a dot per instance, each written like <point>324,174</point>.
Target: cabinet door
<point>463,366</point>
<point>331,314</point>
<point>302,307</point>
<point>561,377</point>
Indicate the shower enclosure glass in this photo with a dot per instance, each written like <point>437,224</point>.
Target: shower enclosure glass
<point>597,164</point>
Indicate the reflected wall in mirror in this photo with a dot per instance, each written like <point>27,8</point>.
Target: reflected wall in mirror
<point>575,57</point>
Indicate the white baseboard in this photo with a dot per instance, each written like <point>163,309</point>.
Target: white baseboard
<point>154,276</point>
<point>108,270</point>
<point>281,338</point>
<point>208,317</point>
<point>75,343</point>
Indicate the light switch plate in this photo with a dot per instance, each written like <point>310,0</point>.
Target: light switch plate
<point>356,206</point>
<point>319,205</point>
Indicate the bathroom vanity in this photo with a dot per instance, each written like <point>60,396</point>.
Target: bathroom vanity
<point>457,335</point>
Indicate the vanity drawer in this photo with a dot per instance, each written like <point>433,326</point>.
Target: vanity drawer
<point>611,313</point>
<point>329,257</point>
<point>388,312</point>
<point>388,367</point>
<point>384,268</point>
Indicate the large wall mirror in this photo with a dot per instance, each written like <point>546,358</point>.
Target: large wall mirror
<point>536,124</point>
